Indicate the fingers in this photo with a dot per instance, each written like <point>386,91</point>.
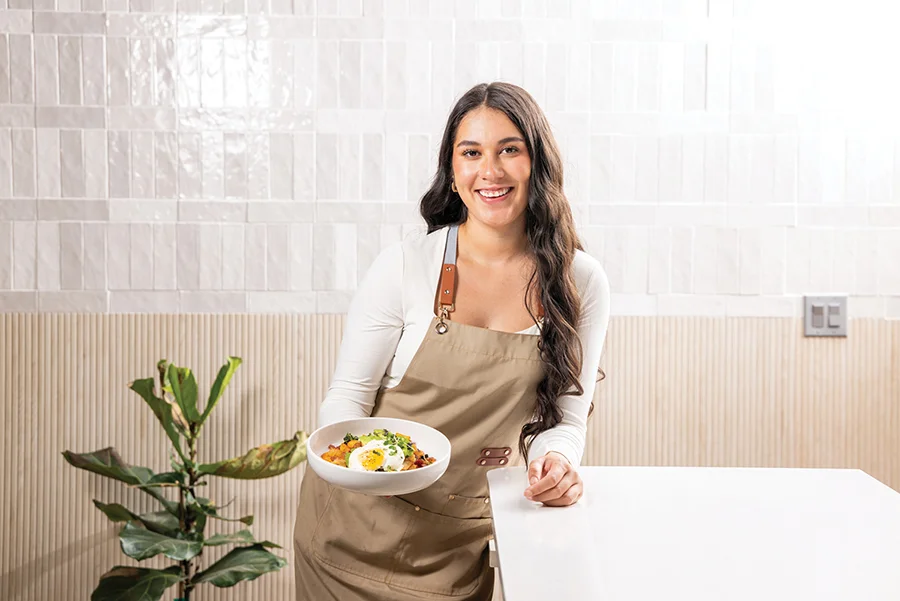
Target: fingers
<point>570,497</point>
<point>565,492</point>
<point>554,470</point>
<point>536,470</point>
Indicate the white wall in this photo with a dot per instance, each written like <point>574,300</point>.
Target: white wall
<point>724,157</point>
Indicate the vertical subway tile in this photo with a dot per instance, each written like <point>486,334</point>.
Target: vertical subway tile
<point>659,261</point>
<point>281,165</point>
<point>695,77</point>
<point>119,170</point>
<point>647,82</point>
<point>682,260</point>
<point>349,166</point>
<point>705,265</point>
<point>623,169</point>
<point>372,74</point>
<point>601,148</point>
<point>692,172</point>
<point>165,154</point>
<point>235,165</point>
<point>21,79</point>
<point>749,260</point>
<point>419,165</point>
<point>6,255</point>
<point>24,255</point>
<point>72,162</point>
<point>281,85</point>
<point>304,166</point>
<point>187,58</point>
<point>141,256</point>
<point>305,74</point>
<point>301,256</point>
<point>258,165</point>
<point>212,73</point>
<point>327,166</point>
<point>395,173</point>
<point>142,164</point>
<point>715,185</point>
<point>646,169</point>
<point>671,169</point>
<point>349,81</point>
<point>118,71</point>
<point>727,267</point>
<point>578,66</point>
<point>6,163</point>
<point>867,254</point>
<point>373,167</point>
<point>773,260</point>
<point>821,259</point>
<point>418,62</point>
<point>187,254</point>
<point>71,244</point>
<point>165,264</point>
<point>93,70</point>
<point>190,176</point>
<point>95,163</point>
<point>233,256</point>
<point>94,256</point>
<point>70,61</point>
<point>443,91</point>
<point>235,73</point>
<point>210,258</point>
<point>673,90</point>
<point>48,159</point>
<point>327,75</point>
<point>395,75</point>
<point>164,68</point>
<point>141,72</point>
<point>278,254</point>
<point>47,74</point>
<point>5,66</point>
<point>118,253</point>
<point>48,256</point>
<point>255,257</point>
<point>738,165</point>
<point>23,152</point>
<point>259,73</point>
<point>762,169</point>
<point>213,164</point>
<point>797,268</point>
<point>625,60</point>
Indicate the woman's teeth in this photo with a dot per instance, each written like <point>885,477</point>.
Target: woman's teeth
<point>494,193</point>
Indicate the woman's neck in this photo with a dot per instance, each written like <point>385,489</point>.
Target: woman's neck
<point>488,246</point>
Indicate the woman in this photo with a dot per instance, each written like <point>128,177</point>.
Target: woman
<point>489,328</point>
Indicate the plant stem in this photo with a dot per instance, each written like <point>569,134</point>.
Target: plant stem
<point>189,522</point>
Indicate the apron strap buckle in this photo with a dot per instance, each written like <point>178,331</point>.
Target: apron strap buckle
<point>494,456</point>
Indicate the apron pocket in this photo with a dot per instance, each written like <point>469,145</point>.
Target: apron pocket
<point>360,534</point>
<point>442,555</point>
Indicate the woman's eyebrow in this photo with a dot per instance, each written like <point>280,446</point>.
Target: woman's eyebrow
<point>500,143</point>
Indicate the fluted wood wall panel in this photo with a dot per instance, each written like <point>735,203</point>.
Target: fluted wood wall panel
<point>679,391</point>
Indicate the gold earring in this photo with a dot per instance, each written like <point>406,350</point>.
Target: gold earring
<point>453,186</point>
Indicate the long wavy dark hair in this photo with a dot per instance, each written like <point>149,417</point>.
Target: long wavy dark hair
<point>552,239</point>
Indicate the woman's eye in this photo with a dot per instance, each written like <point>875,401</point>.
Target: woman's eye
<point>470,153</point>
<point>511,149</point>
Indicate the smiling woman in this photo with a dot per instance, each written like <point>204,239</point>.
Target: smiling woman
<point>489,329</point>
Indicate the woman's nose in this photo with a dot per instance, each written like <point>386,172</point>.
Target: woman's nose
<point>491,169</point>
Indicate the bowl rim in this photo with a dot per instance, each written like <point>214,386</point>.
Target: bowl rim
<point>372,474</point>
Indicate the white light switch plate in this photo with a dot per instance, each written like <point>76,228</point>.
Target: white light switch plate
<point>825,316</point>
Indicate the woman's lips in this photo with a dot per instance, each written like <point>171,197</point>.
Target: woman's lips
<point>491,197</point>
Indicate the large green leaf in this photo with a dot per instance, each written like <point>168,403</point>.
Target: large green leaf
<point>140,543</point>
<point>184,388</point>
<point>206,507</point>
<point>162,522</point>
<point>219,386</point>
<point>161,409</point>
<point>243,563</point>
<point>123,583</point>
<point>264,461</point>
<point>241,537</point>
<point>107,462</point>
<point>164,479</point>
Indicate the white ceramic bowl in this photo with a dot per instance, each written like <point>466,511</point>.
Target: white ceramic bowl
<point>427,439</point>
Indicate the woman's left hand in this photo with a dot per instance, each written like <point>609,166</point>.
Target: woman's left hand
<point>553,481</point>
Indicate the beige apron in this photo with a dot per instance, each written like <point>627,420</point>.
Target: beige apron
<point>478,387</point>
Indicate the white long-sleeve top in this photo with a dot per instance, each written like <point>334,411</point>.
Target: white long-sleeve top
<point>392,309</point>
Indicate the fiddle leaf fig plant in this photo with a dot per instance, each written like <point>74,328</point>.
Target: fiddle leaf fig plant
<point>177,530</point>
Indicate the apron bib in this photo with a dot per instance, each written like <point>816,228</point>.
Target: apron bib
<point>478,387</point>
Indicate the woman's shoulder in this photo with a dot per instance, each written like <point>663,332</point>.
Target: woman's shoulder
<point>590,277</point>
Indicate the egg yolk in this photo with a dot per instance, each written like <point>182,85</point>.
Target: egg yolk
<point>372,459</point>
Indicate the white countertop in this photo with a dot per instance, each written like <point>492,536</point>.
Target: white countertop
<point>717,534</point>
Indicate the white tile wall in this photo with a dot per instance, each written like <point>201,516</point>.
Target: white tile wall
<point>257,155</point>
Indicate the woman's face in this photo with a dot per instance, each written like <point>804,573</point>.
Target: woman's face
<point>491,168</point>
